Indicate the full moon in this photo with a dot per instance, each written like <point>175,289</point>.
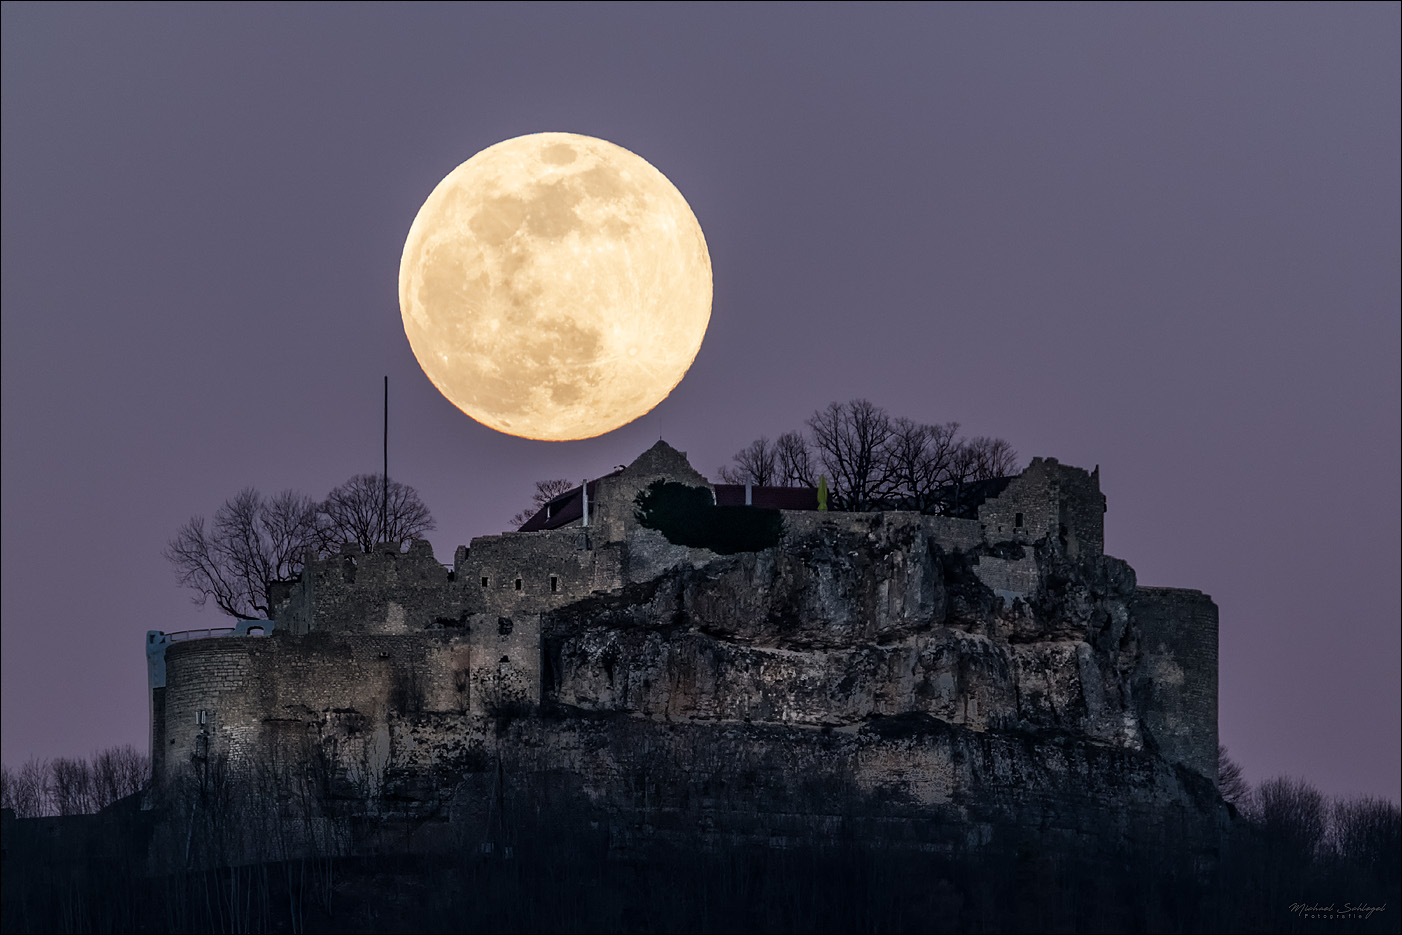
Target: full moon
<point>555,286</point>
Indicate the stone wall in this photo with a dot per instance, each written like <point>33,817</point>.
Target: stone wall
<point>1048,499</point>
<point>1177,674</point>
<point>251,698</point>
<point>613,506</point>
<point>1013,622</point>
<point>528,571</point>
<point>382,591</point>
<point>505,672</point>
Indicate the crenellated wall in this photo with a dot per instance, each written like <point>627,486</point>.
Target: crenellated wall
<point>384,591</point>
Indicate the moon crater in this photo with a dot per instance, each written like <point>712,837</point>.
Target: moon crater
<point>555,286</point>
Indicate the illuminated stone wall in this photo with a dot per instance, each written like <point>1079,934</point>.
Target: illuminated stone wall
<point>1014,621</point>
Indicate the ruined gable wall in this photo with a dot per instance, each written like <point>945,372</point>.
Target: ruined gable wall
<point>384,591</point>
<point>613,506</point>
<point>1047,499</point>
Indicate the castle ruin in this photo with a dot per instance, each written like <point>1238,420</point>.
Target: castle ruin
<point>1012,652</point>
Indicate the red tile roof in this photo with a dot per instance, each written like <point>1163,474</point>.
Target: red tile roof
<point>771,498</point>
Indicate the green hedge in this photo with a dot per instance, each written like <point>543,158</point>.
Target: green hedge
<point>688,516</point>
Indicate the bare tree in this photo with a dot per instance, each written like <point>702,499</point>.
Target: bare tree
<point>364,511</point>
<point>919,459</point>
<point>757,463</point>
<point>70,786</point>
<point>1292,813</point>
<point>873,460</point>
<point>545,491</point>
<point>794,461</point>
<point>1231,782</point>
<point>253,543</point>
<point>75,786</point>
<point>983,458</point>
<point>118,772</point>
<point>27,789</point>
<point>1365,829</point>
<point>851,440</point>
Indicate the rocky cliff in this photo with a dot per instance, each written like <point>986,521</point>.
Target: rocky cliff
<point>864,665</point>
<point>890,676</point>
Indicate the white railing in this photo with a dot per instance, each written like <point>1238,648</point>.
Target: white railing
<point>198,634</point>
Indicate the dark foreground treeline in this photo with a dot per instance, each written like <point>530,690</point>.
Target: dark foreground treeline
<point>74,785</point>
<point>296,845</point>
<point>93,874</point>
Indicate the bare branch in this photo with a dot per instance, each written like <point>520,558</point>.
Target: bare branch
<point>351,514</point>
<point>545,491</point>
<point>755,464</point>
<point>851,440</point>
<point>254,543</point>
<point>794,461</point>
<point>1231,782</point>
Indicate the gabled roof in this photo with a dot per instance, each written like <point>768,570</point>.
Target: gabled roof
<point>562,510</point>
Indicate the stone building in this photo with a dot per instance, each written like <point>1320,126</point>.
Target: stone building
<point>1008,624</point>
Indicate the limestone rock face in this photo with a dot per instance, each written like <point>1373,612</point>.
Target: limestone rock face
<point>847,621</point>
<point>929,676</point>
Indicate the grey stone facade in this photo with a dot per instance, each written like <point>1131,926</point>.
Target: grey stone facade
<point>1014,623</point>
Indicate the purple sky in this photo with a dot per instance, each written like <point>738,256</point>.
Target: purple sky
<point>1163,240</point>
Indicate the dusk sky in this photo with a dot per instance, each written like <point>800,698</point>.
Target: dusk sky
<point>1159,239</point>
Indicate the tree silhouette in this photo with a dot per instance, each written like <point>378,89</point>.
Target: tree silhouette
<point>545,491</point>
<point>252,543</point>
<point>1231,782</point>
<point>365,512</point>
<point>256,542</point>
<point>873,460</point>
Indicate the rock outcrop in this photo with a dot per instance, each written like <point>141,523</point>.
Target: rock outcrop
<point>901,677</point>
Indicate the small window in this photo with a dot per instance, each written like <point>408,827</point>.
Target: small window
<point>518,584</point>
<point>201,716</point>
<point>554,584</point>
<point>504,626</point>
<point>486,581</point>
<point>1017,520</point>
